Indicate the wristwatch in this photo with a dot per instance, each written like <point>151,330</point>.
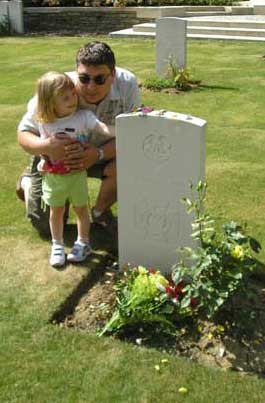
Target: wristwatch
<point>101,153</point>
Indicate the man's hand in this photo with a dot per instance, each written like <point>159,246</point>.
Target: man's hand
<point>53,147</point>
<point>56,148</point>
<point>79,157</point>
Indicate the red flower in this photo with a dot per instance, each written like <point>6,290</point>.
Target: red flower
<point>173,292</point>
<point>193,302</point>
<point>152,270</point>
<point>180,287</point>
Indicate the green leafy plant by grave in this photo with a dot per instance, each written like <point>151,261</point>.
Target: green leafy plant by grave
<point>176,77</point>
<point>181,76</point>
<point>219,267</point>
<point>4,25</point>
<point>221,261</point>
<point>158,83</point>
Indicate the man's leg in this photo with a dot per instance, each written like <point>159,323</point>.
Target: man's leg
<point>107,196</point>
<point>108,190</point>
<point>36,210</point>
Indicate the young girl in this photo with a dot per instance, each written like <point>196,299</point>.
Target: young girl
<point>57,114</point>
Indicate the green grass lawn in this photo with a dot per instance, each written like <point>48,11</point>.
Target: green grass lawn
<point>41,362</point>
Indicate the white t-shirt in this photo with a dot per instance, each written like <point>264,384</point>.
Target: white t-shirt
<point>123,98</point>
<point>79,125</point>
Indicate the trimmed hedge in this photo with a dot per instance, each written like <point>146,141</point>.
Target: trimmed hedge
<point>122,3</point>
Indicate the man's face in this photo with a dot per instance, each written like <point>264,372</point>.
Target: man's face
<point>94,82</point>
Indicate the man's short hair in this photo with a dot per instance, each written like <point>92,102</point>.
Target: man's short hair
<point>95,54</point>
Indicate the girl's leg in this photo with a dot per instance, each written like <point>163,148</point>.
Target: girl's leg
<point>57,258</point>
<point>81,248</point>
<point>83,223</point>
<point>56,223</point>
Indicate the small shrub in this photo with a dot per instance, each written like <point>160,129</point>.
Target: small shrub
<point>181,76</point>
<point>221,262</point>
<point>219,268</point>
<point>4,25</point>
<point>158,83</point>
<point>178,78</point>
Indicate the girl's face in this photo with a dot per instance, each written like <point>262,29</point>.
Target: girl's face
<point>66,103</point>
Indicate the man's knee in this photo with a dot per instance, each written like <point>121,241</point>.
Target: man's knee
<point>110,169</point>
<point>38,214</point>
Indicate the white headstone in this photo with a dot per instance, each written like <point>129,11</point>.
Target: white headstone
<point>256,3</point>
<point>171,41</point>
<point>158,155</point>
<point>3,10</point>
<point>15,10</point>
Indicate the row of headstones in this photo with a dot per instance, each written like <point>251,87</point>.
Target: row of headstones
<point>11,13</point>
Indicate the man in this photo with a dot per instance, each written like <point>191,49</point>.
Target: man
<point>107,91</point>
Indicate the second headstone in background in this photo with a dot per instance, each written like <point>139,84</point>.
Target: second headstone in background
<point>171,33</point>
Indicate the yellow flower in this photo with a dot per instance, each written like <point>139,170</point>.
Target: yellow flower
<point>158,278</point>
<point>142,270</point>
<point>237,252</point>
<point>183,390</point>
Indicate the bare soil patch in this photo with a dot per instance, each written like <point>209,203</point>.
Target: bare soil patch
<point>234,340</point>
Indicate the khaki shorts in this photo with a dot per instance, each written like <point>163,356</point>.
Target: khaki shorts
<point>57,189</point>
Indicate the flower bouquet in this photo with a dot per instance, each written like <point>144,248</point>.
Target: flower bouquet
<point>219,268</point>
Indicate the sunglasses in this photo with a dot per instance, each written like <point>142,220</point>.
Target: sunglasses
<point>98,80</point>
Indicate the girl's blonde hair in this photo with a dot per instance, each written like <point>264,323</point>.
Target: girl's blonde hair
<point>49,86</point>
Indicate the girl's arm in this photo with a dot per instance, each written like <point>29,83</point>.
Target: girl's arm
<point>102,128</point>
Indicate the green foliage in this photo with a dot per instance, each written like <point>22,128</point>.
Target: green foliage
<point>158,83</point>
<point>218,269</point>
<point>219,265</point>
<point>181,76</point>
<point>4,25</point>
<point>140,300</point>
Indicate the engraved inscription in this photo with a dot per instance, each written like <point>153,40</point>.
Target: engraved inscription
<point>157,147</point>
<point>157,222</point>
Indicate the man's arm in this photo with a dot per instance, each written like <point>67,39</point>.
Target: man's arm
<point>76,160</point>
<point>33,144</point>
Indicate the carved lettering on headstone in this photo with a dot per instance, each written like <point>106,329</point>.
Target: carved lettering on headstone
<point>157,147</point>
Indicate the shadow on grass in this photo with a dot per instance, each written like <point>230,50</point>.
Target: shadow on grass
<point>215,87</point>
<point>100,238</point>
<point>104,244</point>
<point>67,308</point>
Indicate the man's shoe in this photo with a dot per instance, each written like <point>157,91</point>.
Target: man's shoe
<point>104,220</point>
<point>57,258</point>
<point>79,253</point>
